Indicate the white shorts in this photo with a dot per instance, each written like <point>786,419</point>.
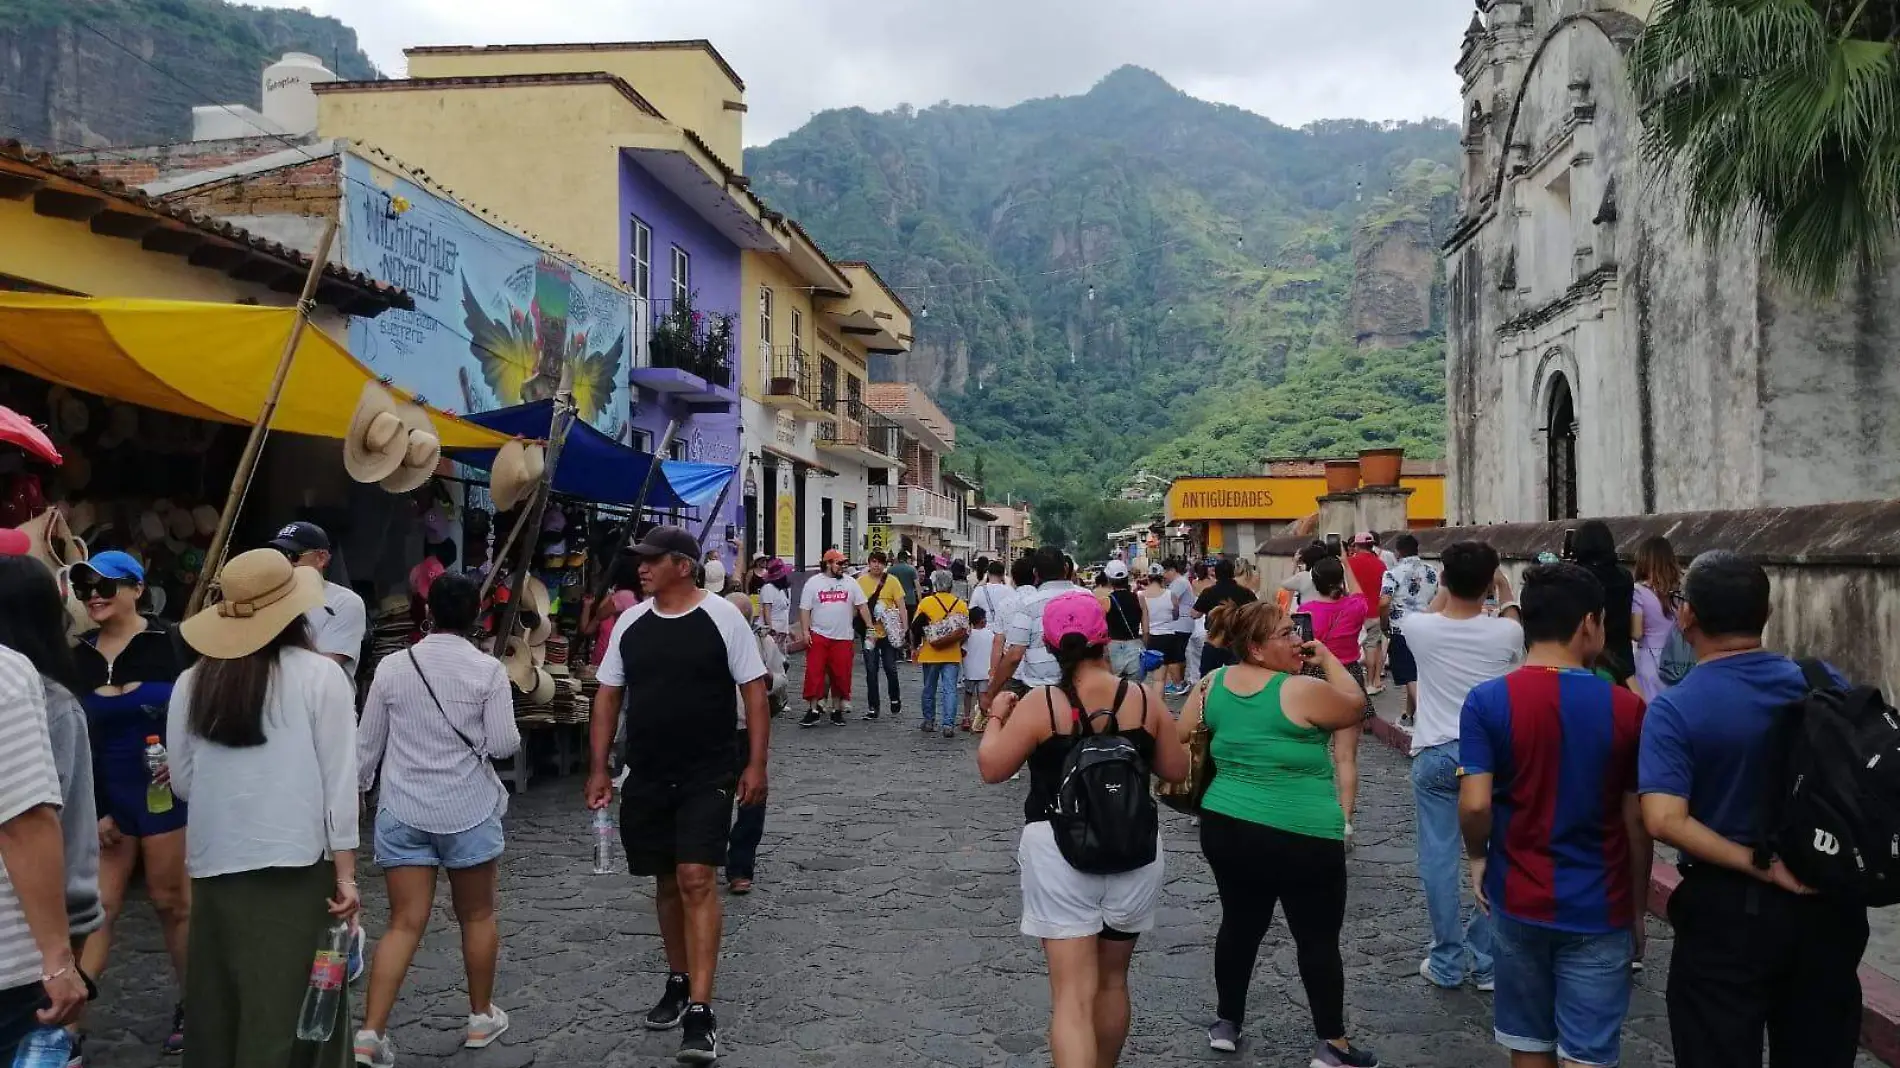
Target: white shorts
<point>1371,634</point>
<point>1060,902</point>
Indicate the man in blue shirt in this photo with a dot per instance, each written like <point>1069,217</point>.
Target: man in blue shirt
<point>1755,950</point>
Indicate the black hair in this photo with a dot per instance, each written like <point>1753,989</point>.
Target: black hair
<point>1556,599</point>
<point>1023,571</point>
<point>1224,570</point>
<point>1174,564</point>
<point>454,602</point>
<point>1405,544</point>
<point>1072,653</point>
<point>1467,568</point>
<point>978,616</point>
<point>1314,553</point>
<point>959,571</point>
<point>444,552</point>
<point>227,696</point>
<point>1198,572</point>
<point>625,573</point>
<point>1050,564</point>
<point>880,558</point>
<point>996,569</point>
<point>1729,593</point>
<point>1101,580</point>
<point>33,620</point>
<point>1329,576</point>
<point>1594,543</point>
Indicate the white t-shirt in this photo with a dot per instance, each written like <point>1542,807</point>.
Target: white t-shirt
<point>832,602</point>
<point>778,608</point>
<point>1454,655</point>
<point>978,647</point>
<point>715,576</point>
<point>1038,666</point>
<point>997,600</point>
<point>1181,600</point>
<point>337,628</point>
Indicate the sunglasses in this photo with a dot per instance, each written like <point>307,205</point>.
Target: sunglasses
<point>104,588</point>
<point>1678,598</point>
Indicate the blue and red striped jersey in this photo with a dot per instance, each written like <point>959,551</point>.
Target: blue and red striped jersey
<point>1561,746</point>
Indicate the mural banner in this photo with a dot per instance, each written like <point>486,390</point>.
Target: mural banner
<point>496,317</point>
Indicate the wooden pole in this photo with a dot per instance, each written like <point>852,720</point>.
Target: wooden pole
<point>639,505</point>
<point>558,423</point>
<point>254,446</point>
<point>718,504</point>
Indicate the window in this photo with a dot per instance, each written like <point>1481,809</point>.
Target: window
<point>1560,471</point>
<point>827,384</point>
<point>677,451</point>
<point>850,543</point>
<point>765,316</point>
<point>798,331</point>
<point>640,256</point>
<point>642,440</point>
<point>854,396</point>
<point>682,276</point>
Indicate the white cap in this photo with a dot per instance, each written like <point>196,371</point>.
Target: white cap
<point>1116,570</point>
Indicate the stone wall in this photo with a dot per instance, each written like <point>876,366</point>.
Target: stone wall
<point>1835,570</point>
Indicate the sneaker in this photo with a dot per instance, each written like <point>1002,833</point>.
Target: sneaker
<point>949,732</point>
<point>837,716</point>
<point>1488,985</point>
<point>1328,1055</point>
<point>1224,1036</point>
<point>357,957</point>
<point>699,1037</point>
<point>1425,973</point>
<point>374,1050</point>
<point>926,727</point>
<point>77,1058</point>
<point>485,1027</point>
<point>897,711</point>
<point>1407,720</point>
<point>672,1007</point>
<point>175,1039</point>
<point>811,718</point>
<point>870,714</point>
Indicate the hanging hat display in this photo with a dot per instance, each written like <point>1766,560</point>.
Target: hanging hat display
<point>52,541</point>
<point>179,525</point>
<point>535,599</point>
<point>122,426</point>
<point>205,519</point>
<point>518,466</point>
<point>422,451</point>
<point>17,429</point>
<point>82,516</point>
<point>378,438</point>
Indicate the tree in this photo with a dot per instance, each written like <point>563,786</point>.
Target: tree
<point>1782,114</point>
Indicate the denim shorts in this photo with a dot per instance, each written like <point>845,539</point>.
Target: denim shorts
<point>1562,992</point>
<point>399,845</point>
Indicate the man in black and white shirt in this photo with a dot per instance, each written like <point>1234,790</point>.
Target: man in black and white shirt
<point>676,659</point>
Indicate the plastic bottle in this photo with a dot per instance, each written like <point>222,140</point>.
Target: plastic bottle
<point>158,795</point>
<point>603,842</point>
<point>44,1047</point>
<point>318,1017</point>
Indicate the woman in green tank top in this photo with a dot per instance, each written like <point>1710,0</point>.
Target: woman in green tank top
<point>1276,816</point>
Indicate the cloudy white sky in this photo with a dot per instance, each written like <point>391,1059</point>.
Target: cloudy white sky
<point>1291,60</point>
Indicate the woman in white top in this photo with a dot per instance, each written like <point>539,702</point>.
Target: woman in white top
<point>263,733</point>
<point>434,718</point>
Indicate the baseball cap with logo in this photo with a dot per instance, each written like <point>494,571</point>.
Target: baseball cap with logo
<point>296,539</point>
<point>1115,570</point>
<point>1075,612</point>
<point>834,556</point>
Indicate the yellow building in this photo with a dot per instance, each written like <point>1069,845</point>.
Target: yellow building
<point>1233,515</point>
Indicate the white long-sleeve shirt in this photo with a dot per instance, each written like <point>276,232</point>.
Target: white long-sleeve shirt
<point>288,803</point>
<point>432,780</point>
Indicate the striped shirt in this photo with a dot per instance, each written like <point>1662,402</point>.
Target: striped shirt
<point>28,779</point>
<point>432,779</point>
<point>1039,666</point>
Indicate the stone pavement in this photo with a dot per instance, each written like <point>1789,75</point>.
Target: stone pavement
<point>883,931</point>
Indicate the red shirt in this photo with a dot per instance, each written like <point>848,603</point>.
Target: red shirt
<point>1370,571</point>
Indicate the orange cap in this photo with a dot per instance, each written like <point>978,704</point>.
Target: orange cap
<point>834,556</point>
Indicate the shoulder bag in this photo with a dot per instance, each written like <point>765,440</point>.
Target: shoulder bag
<point>1185,796</point>
<point>482,758</point>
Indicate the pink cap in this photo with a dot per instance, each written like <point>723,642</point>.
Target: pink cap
<point>1075,612</point>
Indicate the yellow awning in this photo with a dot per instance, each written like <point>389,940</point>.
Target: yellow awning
<point>208,361</point>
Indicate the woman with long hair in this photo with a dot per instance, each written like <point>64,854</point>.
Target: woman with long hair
<point>128,664</point>
<point>1275,819</point>
<point>1653,611</point>
<point>432,721</point>
<point>1088,923</point>
<point>1594,549</point>
<point>1339,612</point>
<point>264,744</point>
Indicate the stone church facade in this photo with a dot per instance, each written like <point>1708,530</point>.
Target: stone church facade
<point>1601,360</point>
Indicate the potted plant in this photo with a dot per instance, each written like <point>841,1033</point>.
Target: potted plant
<point>1380,467</point>
<point>1342,476</point>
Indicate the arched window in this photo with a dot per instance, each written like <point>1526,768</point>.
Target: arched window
<point>1560,474</point>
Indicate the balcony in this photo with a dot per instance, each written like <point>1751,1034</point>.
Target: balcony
<point>683,351</point>
<point>791,382</point>
<point>915,506</point>
<point>862,433</point>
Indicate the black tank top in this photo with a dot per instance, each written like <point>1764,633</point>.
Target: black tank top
<point>1124,616</point>
<point>1046,760</point>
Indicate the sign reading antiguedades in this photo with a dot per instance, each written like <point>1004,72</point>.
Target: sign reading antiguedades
<point>1227,499</point>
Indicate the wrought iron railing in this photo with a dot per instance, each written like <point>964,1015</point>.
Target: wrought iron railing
<point>791,372</point>
<point>858,424</point>
<point>676,334</point>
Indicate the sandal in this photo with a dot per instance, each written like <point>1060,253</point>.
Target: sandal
<point>739,887</point>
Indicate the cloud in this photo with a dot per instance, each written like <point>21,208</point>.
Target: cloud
<point>1291,60</point>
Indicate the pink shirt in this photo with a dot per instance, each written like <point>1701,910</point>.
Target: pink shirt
<point>621,600</point>
<point>423,575</point>
<point>1338,623</point>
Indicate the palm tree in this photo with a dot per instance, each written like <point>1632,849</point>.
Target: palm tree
<point>1779,118</point>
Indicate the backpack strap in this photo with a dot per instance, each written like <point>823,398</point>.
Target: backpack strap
<point>1819,679</point>
<point>1049,695</point>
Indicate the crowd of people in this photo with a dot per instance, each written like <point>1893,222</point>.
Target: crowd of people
<point>1559,728</point>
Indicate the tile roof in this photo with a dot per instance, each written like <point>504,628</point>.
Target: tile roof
<point>396,85</point>
<point>881,284</point>
<point>366,287</point>
<point>585,46</point>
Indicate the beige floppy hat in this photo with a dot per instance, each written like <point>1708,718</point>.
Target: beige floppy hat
<point>52,541</point>
<point>377,442</point>
<point>535,598</point>
<point>263,592</point>
<point>422,451</point>
<point>518,466</point>
<point>527,676</point>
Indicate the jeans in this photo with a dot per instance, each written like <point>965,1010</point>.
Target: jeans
<point>748,821</point>
<point>1461,947</point>
<point>17,1020</point>
<point>1562,992</point>
<point>886,654</point>
<point>940,691</point>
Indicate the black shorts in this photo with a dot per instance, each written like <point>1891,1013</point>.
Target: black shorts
<point>1404,668</point>
<point>666,824</point>
<point>1172,647</point>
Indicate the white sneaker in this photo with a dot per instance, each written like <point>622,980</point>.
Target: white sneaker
<point>374,1050</point>
<point>484,1028</point>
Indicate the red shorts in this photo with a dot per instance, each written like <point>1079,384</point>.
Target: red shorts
<point>829,659</point>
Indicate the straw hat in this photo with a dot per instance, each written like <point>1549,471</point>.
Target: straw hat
<point>377,441</point>
<point>179,524</point>
<point>263,591</point>
<point>205,519</point>
<point>527,676</point>
<point>535,598</point>
<point>52,541</point>
<point>82,516</point>
<point>422,451</point>
<point>518,466</point>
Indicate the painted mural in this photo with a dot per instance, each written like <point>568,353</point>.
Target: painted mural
<point>496,317</point>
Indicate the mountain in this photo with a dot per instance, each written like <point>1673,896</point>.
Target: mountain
<point>65,83</point>
<point>1133,279</point>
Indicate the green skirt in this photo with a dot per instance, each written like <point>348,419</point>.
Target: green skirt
<point>254,935</point>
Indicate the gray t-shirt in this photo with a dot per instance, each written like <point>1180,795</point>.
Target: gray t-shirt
<point>79,815</point>
<point>906,577</point>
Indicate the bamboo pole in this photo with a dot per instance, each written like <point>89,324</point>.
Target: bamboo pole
<point>561,419</point>
<point>639,505</point>
<point>718,504</point>
<point>254,446</point>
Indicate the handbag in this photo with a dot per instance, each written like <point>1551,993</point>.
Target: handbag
<point>1185,796</point>
<point>948,625</point>
<point>857,622</point>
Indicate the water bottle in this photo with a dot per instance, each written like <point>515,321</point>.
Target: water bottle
<point>318,1017</point>
<point>44,1047</point>
<point>158,795</point>
<point>603,842</point>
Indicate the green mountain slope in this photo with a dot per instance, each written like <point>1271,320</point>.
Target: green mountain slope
<point>1135,278</point>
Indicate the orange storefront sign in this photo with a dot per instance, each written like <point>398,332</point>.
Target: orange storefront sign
<point>1277,497</point>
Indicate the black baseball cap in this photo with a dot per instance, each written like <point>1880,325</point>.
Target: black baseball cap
<point>299,538</point>
<point>662,540</point>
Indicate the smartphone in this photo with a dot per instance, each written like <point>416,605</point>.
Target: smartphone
<point>1303,626</point>
<point>1570,543</point>
<point>1332,542</point>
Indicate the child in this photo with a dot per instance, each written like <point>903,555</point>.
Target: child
<point>978,646</point>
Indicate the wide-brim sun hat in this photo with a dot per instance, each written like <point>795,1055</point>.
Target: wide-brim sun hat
<point>263,592</point>
<point>377,440</point>
<point>518,466</point>
<point>535,598</point>
<point>1075,612</point>
<point>776,569</point>
<point>421,453</point>
<point>52,540</point>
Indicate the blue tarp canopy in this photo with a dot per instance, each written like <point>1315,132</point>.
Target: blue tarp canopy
<point>599,469</point>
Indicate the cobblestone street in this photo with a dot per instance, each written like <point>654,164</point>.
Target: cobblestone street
<point>883,932</point>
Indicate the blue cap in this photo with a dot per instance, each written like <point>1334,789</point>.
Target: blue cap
<point>114,564</point>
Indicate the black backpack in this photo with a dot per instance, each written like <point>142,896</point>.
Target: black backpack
<point>1104,815</point>
<point>1832,809</point>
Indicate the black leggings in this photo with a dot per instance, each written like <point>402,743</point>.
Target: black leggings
<point>1256,866</point>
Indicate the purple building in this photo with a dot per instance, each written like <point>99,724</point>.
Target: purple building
<point>684,271</point>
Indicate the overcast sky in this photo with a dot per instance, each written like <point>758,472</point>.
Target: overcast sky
<point>1291,60</point>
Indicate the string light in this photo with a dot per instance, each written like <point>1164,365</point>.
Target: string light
<point>1091,292</point>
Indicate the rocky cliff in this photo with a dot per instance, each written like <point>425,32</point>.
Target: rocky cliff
<point>1396,279</point>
